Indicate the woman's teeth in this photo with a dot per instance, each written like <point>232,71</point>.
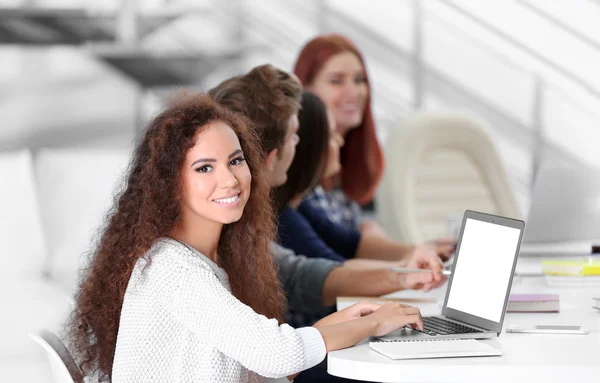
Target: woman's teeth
<point>228,200</point>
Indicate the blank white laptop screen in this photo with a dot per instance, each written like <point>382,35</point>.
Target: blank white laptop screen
<point>483,267</point>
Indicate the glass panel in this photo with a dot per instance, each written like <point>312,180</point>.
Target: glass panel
<point>572,126</point>
<point>500,84</point>
<point>539,35</point>
<point>389,85</point>
<point>580,15</point>
<point>285,18</point>
<point>432,103</point>
<point>518,162</point>
<point>391,19</point>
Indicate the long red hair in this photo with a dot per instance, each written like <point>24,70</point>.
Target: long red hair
<point>148,207</point>
<point>361,157</point>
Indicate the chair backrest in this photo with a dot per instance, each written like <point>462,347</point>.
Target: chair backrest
<point>439,165</point>
<point>63,366</point>
<point>22,242</point>
<point>75,188</point>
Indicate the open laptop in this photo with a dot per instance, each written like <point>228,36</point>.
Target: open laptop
<point>479,287</point>
<point>564,217</point>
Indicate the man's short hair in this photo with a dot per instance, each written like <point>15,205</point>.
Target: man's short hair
<point>268,96</point>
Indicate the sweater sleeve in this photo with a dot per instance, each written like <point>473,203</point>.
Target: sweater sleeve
<point>338,237</point>
<point>296,233</point>
<point>204,306</point>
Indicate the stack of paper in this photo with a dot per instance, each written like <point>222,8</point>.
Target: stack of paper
<point>573,281</point>
<point>533,303</point>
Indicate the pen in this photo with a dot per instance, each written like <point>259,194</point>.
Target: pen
<point>409,270</point>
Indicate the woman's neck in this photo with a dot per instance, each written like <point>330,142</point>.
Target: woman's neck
<point>201,234</point>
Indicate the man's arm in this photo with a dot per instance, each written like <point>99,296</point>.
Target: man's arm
<point>303,280</point>
<point>313,284</point>
<point>344,281</point>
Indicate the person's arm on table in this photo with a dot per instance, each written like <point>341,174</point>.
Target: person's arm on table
<point>347,327</point>
<point>343,281</point>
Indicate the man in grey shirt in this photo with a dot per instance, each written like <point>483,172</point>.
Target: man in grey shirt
<point>303,280</point>
<point>313,284</point>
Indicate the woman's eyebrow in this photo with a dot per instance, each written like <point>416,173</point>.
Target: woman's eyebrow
<point>239,151</point>
<point>203,160</point>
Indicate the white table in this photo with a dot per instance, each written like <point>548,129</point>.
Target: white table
<point>526,357</point>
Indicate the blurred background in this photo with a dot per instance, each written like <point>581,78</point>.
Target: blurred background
<point>79,79</point>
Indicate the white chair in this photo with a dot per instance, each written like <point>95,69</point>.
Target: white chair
<point>64,368</point>
<point>437,166</point>
<point>29,300</point>
<point>75,188</point>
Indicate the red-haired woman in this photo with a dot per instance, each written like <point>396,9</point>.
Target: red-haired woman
<point>332,67</point>
<point>181,286</point>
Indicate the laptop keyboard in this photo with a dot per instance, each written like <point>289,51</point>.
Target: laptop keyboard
<point>439,326</point>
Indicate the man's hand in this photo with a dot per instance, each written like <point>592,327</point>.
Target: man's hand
<point>423,257</point>
<point>444,248</point>
<point>421,281</point>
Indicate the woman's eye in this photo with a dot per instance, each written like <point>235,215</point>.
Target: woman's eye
<point>360,80</point>
<point>237,161</point>
<point>204,169</point>
<point>335,81</point>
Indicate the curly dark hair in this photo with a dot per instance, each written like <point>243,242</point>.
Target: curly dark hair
<point>147,209</point>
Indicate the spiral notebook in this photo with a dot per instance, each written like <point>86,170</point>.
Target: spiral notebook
<point>435,348</point>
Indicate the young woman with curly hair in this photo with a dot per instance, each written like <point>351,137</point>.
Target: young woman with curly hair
<point>181,286</point>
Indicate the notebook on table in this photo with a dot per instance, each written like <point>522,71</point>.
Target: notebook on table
<point>533,303</point>
<point>440,348</point>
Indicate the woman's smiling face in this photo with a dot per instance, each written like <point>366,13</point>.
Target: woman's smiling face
<point>215,178</point>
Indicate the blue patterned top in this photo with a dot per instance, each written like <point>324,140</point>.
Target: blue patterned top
<point>337,207</point>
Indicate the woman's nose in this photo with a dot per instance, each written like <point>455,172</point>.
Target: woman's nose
<point>227,179</point>
<point>351,88</point>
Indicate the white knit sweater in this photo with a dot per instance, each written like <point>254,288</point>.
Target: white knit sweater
<point>180,323</point>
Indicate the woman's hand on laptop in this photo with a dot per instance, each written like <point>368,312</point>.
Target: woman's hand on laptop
<point>357,310</point>
<point>364,308</point>
<point>347,327</point>
<point>393,316</point>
